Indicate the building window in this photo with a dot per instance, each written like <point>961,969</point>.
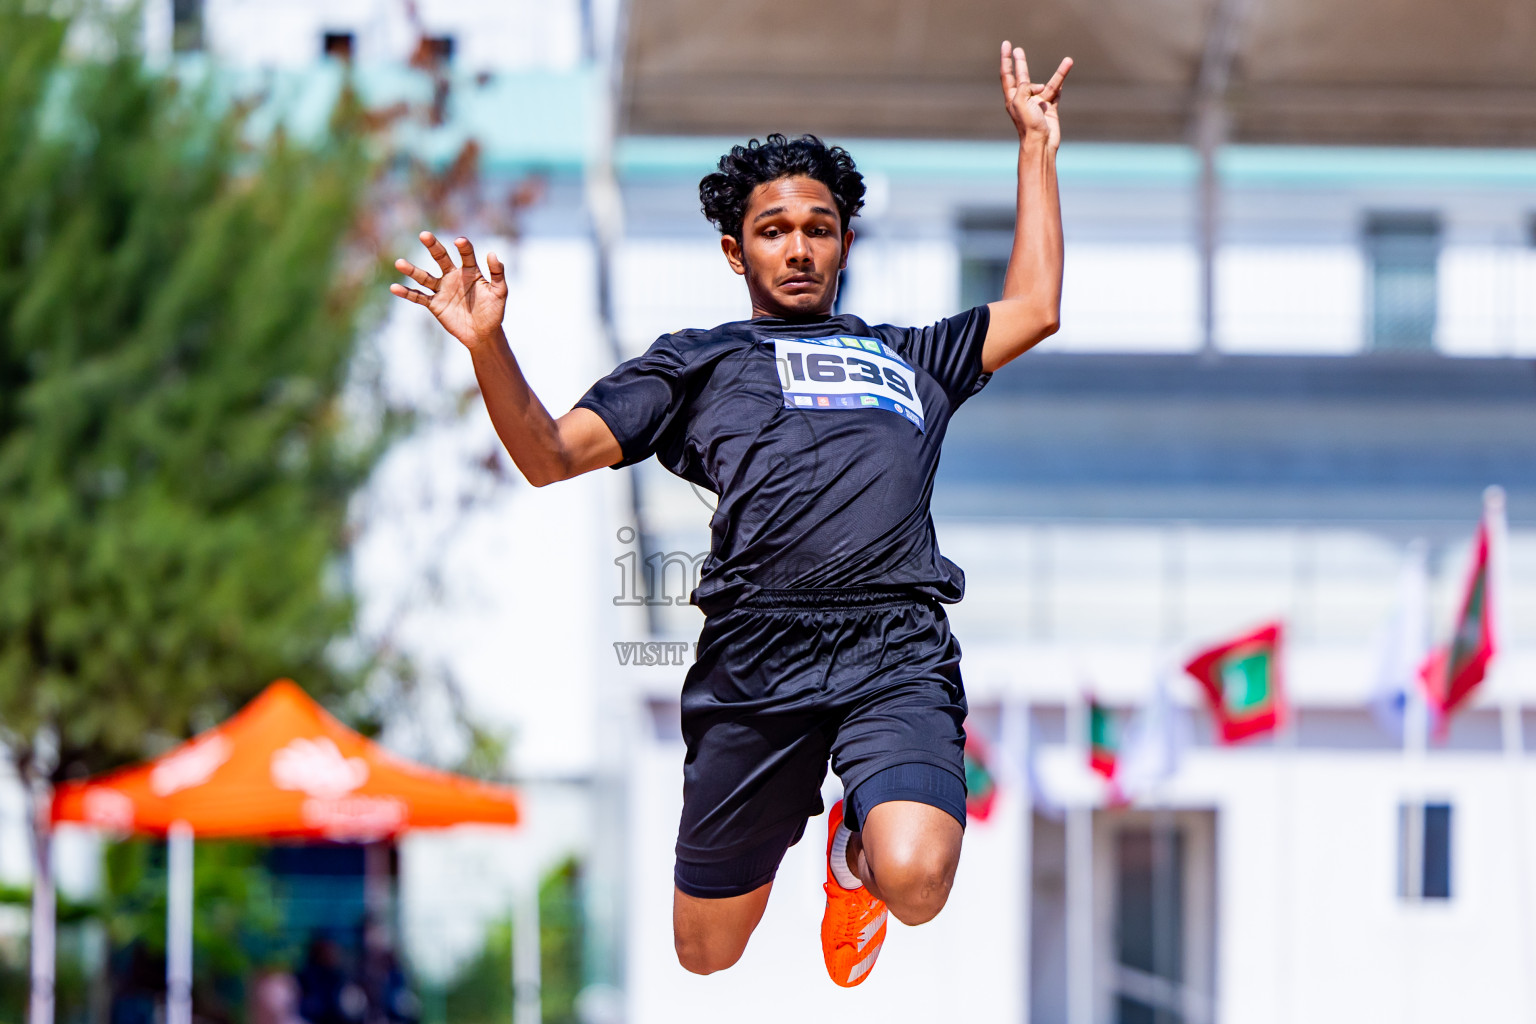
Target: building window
<point>986,239</point>
<point>186,25</point>
<point>1149,936</point>
<point>1404,253</point>
<point>1424,852</point>
<point>1149,915</point>
<point>337,45</point>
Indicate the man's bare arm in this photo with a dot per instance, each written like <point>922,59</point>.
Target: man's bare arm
<point>470,307</point>
<point>545,449</point>
<point>1030,309</point>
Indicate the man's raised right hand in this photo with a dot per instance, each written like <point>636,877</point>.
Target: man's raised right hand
<point>470,307</point>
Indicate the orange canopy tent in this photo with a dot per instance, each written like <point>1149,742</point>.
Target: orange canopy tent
<point>282,768</point>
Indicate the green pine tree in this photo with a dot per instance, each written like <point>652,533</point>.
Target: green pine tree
<point>177,312</point>
<point>179,303</point>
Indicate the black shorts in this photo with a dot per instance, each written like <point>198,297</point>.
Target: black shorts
<point>869,678</point>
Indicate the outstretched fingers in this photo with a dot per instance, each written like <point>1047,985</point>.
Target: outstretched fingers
<point>1021,67</point>
<point>467,269</point>
<point>1014,73</point>
<point>416,274</point>
<point>1052,91</point>
<point>467,257</point>
<point>436,251</point>
<point>411,294</point>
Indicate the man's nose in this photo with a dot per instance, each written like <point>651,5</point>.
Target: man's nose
<point>799,248</point>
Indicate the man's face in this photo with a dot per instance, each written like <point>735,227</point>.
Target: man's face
<point>792,246</point>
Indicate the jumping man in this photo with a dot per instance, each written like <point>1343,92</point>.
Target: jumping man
<point>824,634</point>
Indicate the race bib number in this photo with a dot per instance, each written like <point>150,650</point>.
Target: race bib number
<point>846,373</point>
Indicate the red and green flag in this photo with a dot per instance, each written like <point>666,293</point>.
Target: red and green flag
<point>980,783</point>
<point>1241,680</point>
<point>1103,740</point>
<point>1453,671</point>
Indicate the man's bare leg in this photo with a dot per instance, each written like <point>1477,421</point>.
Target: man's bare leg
<point>906,855</point>
<point>711,934</point>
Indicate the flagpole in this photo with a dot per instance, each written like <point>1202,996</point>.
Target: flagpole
<point>1286,723</point>
<point>1285,749</point>
<point>1016,742</point>
<point>1514,756</point>
<point>1415,726</point>
<point>1497,519</point>
<point>1415,641</point>
<point>1511,729</point>
<point>1080,994</point>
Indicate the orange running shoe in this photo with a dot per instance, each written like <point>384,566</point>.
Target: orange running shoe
<point>853,926</point>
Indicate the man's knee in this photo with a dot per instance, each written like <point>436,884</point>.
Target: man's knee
<point>915,885</point>
<point>711,934</point>
<point>706,954</point>
<point>911,846</point>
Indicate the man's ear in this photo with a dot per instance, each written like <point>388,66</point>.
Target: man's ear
<point>847,244</point>
<point>732,249</point>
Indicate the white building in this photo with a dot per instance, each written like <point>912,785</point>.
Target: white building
<point>1118,499</point>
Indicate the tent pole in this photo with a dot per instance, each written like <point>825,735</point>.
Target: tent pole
<point>527,981</point>
<point>40,1007</point>
<point>378,934</point>
<point>178,946</point>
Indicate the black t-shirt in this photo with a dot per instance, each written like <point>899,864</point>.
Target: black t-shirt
<point>821,438</point>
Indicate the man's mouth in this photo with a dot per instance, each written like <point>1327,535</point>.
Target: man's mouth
<point>799,282</point>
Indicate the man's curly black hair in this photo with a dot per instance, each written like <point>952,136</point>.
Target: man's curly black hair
<point>724,194</point>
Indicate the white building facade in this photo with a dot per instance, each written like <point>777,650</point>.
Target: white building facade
<point>1120,500</point>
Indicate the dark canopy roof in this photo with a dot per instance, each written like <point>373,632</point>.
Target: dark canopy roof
<point>1404,72</point>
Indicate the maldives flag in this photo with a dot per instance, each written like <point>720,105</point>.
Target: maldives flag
<point>1452,672</point>
<point>1103,740</point>
<point>980,783</point>
<point>1241,679</point>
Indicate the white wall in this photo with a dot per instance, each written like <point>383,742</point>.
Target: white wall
<point>503,596</point>
<point>511,599</point>
<point>963,966</point>
<point>1309,925</point>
